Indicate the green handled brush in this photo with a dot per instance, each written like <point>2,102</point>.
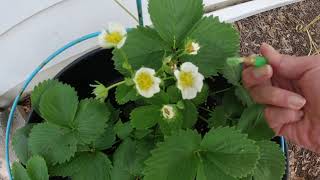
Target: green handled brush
<point>257,61</point>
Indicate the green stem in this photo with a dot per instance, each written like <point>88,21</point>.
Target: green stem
<point>203,119</point>
<point>115,85</point>
<point>160,70</point>
<point>182,54</point>
<point>127,10</point>
<point>208,110</point>
<point>223,90</point>
<point>126,61</point>
<point>167,78</point>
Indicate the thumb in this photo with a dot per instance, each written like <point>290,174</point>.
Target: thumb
<point>290,67</point>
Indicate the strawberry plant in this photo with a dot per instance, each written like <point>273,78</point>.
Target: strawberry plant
<point>166,120</point>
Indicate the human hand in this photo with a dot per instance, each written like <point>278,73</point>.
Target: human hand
<point>289,86</point>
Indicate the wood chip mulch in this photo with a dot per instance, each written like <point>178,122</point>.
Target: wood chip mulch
<point>278,28</point>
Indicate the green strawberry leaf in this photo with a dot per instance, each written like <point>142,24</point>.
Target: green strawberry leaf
<point>56,144</point>
<point>84,166</point>
<point>143,48</point>
<point>253,123</point>
<point>218,41</point>
<point>232,106</point>
<point>232,74</point>
<point>90,120</point>
<point>244,96</point>
<point>106,140</point>
<point>139,134</point>
<point>114,116</point>
<point>37,168</point>
<point>123,161</point>
<point>19,172</point>
<point>175,158</point>
<point>145,117</point>
<point>58,104</point>
<point>189,114</point>
<point>218,117</point>
<point>125,94</point>
<point>224,153</point>
<point>227,150</point>
<point>174,94</point>
<point>202,96</point>
<point>271,165</point>
<point>38,92</point>
<point>20,143</point>
<point>143,152</point>
<point>123,130</point>
<point>170,20</point>
<point>129,158</point>
<point>208,170</point>
<point>160,98</point>
<point>168,126</point>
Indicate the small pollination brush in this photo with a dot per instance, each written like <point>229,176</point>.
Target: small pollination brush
<point>257,61</point>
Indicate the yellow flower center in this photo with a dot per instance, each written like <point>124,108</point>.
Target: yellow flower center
<point>144,81</point>
<point>189,48</point>
<point>114,37</point>
<point>186,79</point>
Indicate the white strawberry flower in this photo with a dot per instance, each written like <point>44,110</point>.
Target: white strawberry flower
<point>192,48</point>
<point>190,81</point>
<point>168,112</point>
<point>115,36</point>
<point>147,84</point>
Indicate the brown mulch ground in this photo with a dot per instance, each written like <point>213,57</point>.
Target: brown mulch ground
<point>278,28</point>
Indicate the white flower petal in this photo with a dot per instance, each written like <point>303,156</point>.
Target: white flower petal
<point>176,74</point>
<point>153,89</point>
<point>157,80</point>
<point>199,85</point>
<point>147,94</point>
<point>121,43</point>
<point>168,112</point>
<point>115,27</point>
<point>101,40</point>
<point>196,47</point>
<point>189,93</point>
<point>189,67</point>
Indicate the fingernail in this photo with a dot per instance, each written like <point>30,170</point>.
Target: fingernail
<point>260,72</point>
<point>296,102</point>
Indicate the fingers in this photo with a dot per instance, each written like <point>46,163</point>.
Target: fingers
<point>289,66</point>
<point>277,97</point>
<point>278,118</point>
<point>254,76</point>
<point>258,81</point>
